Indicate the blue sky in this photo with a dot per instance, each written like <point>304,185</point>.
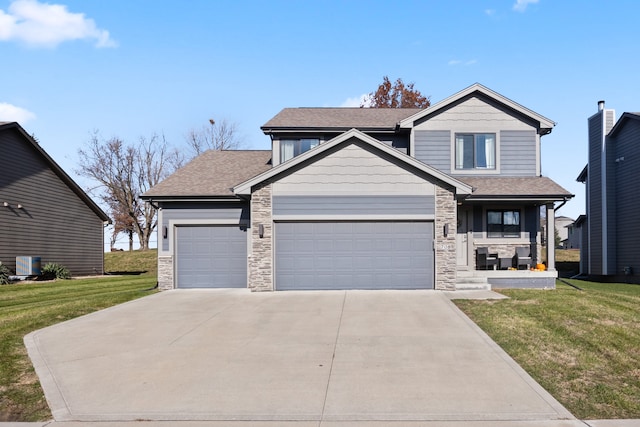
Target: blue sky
<point>132,68</point>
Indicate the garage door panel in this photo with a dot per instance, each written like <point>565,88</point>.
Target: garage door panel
<point>211,257</point>
<point>354,255</point>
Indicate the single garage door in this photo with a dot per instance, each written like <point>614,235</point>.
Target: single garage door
<point>211,256</point>
<point>354,255</point>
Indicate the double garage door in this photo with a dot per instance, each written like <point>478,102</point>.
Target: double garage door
<point>354,255</point>
<point>312,255</point>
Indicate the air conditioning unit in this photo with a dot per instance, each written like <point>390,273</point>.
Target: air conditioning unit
<point>28,266</point>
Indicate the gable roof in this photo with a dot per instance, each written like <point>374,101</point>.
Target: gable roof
<point>544,124</point>
<point>337,119</point>
<point>245,187</point>
<point>516,188</point>
<point>622,121</point>
<point>66,179</point>
<point>212,174</point>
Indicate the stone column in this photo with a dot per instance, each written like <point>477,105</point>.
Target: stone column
<point>551,237</point>
<point>165,273</point>
<point>445,246</point>
<point>261,258</point>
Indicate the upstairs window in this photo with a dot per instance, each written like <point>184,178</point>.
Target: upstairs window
<point>289,148</point>
<point>476,151</point>
<point>503,223</point>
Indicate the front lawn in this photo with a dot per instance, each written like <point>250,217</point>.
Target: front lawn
<point>582,346</point>
<point>26,307</point>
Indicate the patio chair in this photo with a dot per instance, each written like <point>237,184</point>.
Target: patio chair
<point>523,257</point>
<point>484,259</point>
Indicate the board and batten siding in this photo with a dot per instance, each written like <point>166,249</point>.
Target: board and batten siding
<point>626,201</point>
<point>353,170</point>
<point>193,213</point>
<point>594,212</point>
<point>54,223</point>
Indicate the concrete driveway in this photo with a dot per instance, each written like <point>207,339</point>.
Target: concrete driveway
<point>329,357</point>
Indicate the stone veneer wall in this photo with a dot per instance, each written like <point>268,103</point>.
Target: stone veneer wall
<point>446,212</point>
<point>260,263</point>
<point>165,273</point>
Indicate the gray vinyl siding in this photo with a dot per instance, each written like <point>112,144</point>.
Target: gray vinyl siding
<point>627,203</point>
<point>518,153</point>
<point>194,211</point>
<point>55,223</point>
<point>595,195</point>
<point>353,205</point>
<point>433,147</point>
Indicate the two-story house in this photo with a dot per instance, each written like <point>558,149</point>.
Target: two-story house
<point>360,198</point>
<point>610,230</point>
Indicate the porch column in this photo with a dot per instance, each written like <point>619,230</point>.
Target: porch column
<point>551,237</point>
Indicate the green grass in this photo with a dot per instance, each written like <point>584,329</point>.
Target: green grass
<point>583,347</point>
<point>136,261</point>
<point>26,307</point>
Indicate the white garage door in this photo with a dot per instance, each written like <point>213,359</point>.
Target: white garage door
<point>354,255</point>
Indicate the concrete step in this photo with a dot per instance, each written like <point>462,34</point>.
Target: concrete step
<point>464,283</point>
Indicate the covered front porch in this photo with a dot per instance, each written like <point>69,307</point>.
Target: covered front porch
<point>500,236</point>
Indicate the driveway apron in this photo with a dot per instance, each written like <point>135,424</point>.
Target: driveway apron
<point>283,356</point>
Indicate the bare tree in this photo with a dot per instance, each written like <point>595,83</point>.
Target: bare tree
<point>125,172</point>
<point>221,135</point>
<point>396,95</point>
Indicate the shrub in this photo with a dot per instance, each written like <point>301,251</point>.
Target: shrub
<point>53,270</point>
<point>4,274</point>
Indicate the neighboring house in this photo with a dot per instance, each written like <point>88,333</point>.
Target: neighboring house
<point>562,224</point>
<point>574,234</point>
<point>43,212</point>
<point>360,198</point>
<point>612,230</point>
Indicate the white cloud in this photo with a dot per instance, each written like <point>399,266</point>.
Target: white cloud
<point>490,12</point>
<point>11,113</point>
<point>356,101</point>
<point>47,25</point>
<point>521,5</point>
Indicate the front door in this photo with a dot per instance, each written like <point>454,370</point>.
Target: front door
<point>462,238</point>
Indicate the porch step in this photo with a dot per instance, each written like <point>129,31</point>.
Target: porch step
<point>468,283</point>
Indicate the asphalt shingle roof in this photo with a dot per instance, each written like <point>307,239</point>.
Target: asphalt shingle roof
<point>213,173</point>
<point>340,118</point>
<point>530,186</point>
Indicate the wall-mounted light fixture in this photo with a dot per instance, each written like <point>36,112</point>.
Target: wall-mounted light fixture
<point>6,204</point>
<point>19,206</point>
<point>164,232</point>
<point>261,230</point>
<point>446,229</point>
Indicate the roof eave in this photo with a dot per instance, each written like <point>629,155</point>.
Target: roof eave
<point>245,187</point>
<point>60,172</point>
<point>546,125</point>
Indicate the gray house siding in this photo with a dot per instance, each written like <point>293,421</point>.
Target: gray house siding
<point>353,205</point>
<point>199,212</point>
<point>433,147</point>
<point>53,223</point>
<point>518,153</point>
<point>595,196</point>
<point>627,203</point>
